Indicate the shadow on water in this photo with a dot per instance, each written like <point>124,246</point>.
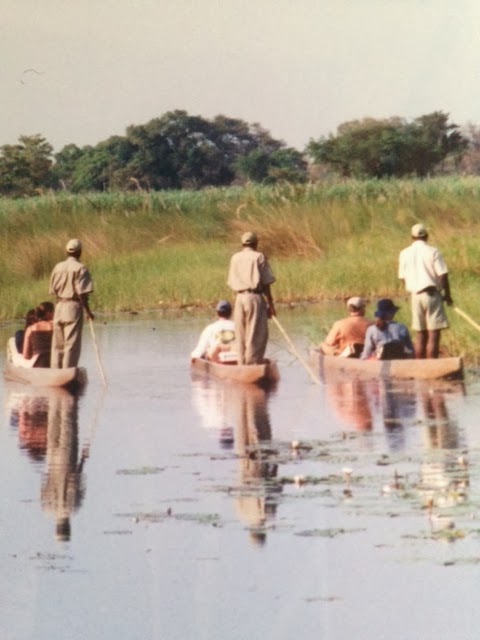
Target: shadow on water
<point>47,423</point>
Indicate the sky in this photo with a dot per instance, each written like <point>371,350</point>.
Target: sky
<point>79,71</point>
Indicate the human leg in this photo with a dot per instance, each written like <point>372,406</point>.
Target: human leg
<point>58,345</point>
<point>257,330</point>
<point>240,337</point>
<point>420,345</point>
<point>73,342</point>
<point>433,343</point>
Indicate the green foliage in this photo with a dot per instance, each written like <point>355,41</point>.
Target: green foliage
<point>25,168</point>
<point>391,147</point>
<point>286,164</point>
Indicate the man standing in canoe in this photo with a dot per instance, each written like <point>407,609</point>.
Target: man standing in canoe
<point>71,283</point>
<point>425,274</point>
<point>250,277</point>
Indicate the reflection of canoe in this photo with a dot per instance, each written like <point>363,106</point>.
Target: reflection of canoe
<point>427,369</point>
<point>266,373</point>
<point>73,377</point>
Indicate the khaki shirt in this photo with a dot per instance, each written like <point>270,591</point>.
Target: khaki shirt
<point>70,279</point>
<point>249,269</point>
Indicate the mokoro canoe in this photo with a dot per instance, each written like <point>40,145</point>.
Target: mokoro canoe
<point>428,369</point>
<point>262,374</point>
<point>73,377</point>
<point>18,369</point>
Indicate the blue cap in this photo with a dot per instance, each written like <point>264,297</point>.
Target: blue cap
<point>385,308</point>
<point>224,306</point>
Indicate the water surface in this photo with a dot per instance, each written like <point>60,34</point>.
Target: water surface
<point>171,507</point>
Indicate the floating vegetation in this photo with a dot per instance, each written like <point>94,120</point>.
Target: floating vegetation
<point>142,471</point>
<point>154,517</point>
<point>118,532</point>
<point>327,533</point>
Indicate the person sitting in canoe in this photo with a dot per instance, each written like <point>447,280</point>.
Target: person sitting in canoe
<point>386,339</point>
<point>30,318</point>
<point>217,339</point>
<point>347,336</point>
<point>38,337</point>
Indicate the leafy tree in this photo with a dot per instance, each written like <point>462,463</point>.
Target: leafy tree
<point>391,147</point>
<point>470,162</point>
<point>66,161</point>
<point>282,165</point>
<point>25,168</point>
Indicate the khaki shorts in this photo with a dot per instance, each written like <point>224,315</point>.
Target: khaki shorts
<point>428,312</point>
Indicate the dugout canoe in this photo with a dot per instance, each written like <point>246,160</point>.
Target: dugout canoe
<point>427,369</point>
<point>71,378</point>
<point>18,369</point>
<point>261,374</point>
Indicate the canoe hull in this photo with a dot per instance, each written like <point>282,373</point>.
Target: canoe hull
<point>428,369</point>
<point>262,374</point>
<point>71,378</point>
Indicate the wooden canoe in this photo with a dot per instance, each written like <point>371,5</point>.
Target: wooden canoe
<point>262,374</point>
<point>71,378</point>
<point>18,369</point>
<point>428,369</point>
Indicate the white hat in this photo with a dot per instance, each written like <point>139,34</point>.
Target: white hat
<point>419,231</point>
<point>73,246</point>
<point>357,302</point>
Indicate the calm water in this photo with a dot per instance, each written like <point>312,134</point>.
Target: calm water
<point>169,507</point>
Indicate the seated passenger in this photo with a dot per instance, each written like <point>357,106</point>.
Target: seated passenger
<point>347,336</point>
<point>218,337</point>
<point>38,337</point>
<point>386,339</point>
<point>30,318</point>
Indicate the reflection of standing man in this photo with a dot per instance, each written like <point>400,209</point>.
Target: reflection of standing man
<point>250,277</point>
<point>62,488</point>
<point>256,502</point>
<point>425,273</point>
<point>71,283</point>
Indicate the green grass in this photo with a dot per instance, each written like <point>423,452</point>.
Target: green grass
<point>171,249</point>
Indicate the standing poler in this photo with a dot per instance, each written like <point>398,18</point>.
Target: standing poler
<point>71,283</point>
<point>250,277</point>
<point>425,274</point>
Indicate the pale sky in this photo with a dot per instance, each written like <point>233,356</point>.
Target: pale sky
<point>298,67</point>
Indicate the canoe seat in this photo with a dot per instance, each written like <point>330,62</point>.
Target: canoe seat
<point>391,351</point>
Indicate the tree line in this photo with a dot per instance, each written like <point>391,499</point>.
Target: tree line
<point>181,151</point>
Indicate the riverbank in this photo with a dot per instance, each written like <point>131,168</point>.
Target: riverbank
<point>171,250</point>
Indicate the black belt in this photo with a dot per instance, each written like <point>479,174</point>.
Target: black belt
<point>68,300</point>
<point>430,290</point>
<point>250,291</point>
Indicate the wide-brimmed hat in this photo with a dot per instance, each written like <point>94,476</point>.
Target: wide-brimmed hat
<point>386,308</point>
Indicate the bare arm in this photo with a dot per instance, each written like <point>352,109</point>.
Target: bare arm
<point>27,344</point>
<point>268,295</point>
<point>445,284</point>
<point>84,303</point>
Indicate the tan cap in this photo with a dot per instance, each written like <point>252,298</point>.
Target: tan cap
<point>249,238</point>
<point>73,246</point>
<point>357,302</point>
<point>419,231</point>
